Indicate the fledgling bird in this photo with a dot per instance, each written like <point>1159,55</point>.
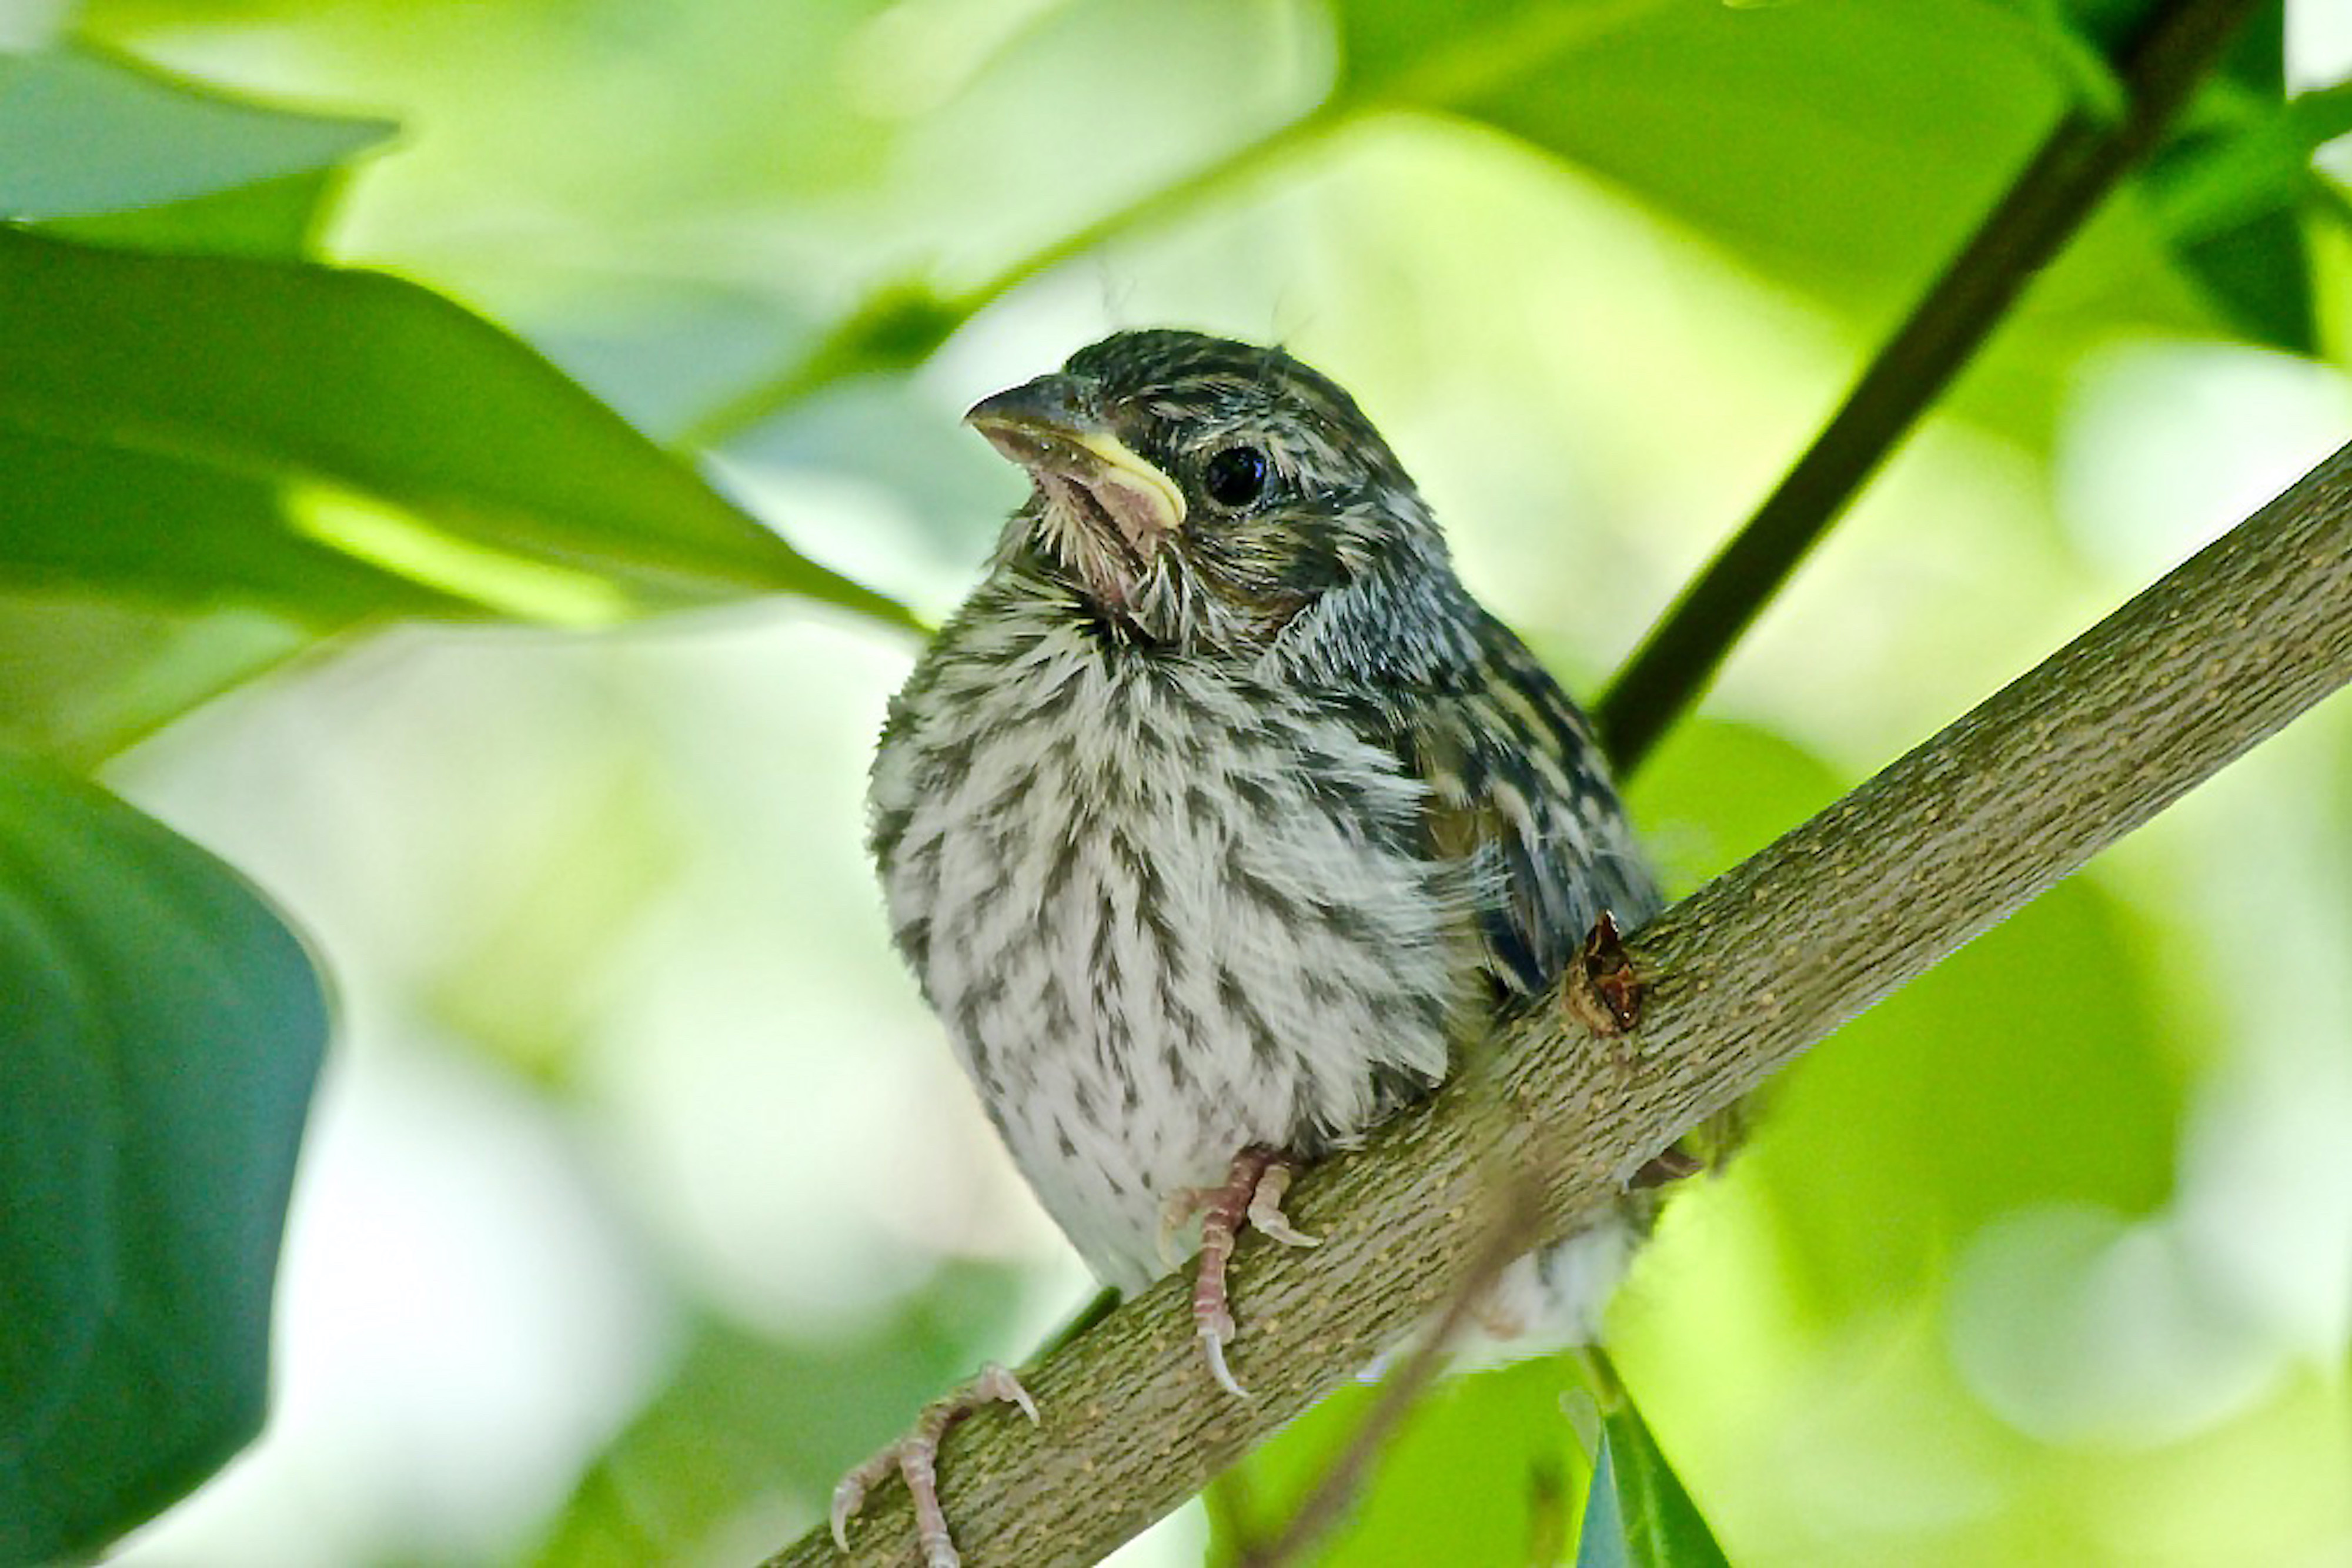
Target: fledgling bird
<point>1220,817</point>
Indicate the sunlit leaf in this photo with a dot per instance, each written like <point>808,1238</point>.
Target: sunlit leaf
<point>161,528</point>
<point>160,1033</point>
<point>350,434</point>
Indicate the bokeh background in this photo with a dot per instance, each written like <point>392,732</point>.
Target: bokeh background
<point>643,1196</point>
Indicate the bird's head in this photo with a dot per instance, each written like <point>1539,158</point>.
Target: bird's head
<point>1201,492</point>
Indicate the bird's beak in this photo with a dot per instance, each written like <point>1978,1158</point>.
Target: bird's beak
<point>1054,428</point>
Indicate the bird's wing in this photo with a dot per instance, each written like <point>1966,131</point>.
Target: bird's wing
<point>1520,795</point>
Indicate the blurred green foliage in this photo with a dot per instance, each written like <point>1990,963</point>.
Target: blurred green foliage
<point>731,1424</point>
<point>570,313</point>
<point>95,138</point>
<point>164,1030</point>
<point>1485,1468</point>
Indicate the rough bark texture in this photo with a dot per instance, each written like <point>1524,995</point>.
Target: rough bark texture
<point>1741,976</point>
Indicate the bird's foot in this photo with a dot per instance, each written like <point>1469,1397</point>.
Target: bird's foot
<point>916,1459</point>
<point>1252,1195</point>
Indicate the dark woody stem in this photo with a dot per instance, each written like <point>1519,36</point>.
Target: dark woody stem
<point>2083,159</point>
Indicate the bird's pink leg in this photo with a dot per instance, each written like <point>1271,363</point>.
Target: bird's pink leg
<point>1252,1195</point>
<point>916,1459</point>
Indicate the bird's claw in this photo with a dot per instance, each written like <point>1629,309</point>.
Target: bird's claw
<point>994,1383</point>
<point>1253,1194</point>
<point>1265,1216</point>
<point>1212,1347</point>
<point>849,1495</point>
<point>916,1459</point>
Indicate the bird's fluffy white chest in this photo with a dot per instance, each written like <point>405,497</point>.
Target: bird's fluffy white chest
<point>1166,910</point>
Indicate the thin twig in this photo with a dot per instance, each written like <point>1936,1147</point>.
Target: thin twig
<point>1511,1235</point>
<point>2083,159</point>
<point>1546,1513</point>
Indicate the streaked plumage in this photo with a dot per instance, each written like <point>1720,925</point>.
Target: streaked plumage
<point>1206,824</point>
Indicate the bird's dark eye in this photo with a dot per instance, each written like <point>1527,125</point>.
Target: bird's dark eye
<point>1235,476</point>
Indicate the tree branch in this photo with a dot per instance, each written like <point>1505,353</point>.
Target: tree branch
<point>2083,159</point>
<point>1510,1235</point>
<point>1742,976</point>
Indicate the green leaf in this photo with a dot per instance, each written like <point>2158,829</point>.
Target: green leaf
<point>344,439</point>
<point>2079,49</point>
<point>2258,275</point>
<point>1637,1514</point>
<point>276,219</point>
<point>2320,115</point>
<point>81,678</point>
<point>161,528</point>
<point>2228,191</point>
<point>99,148</point>
<point>1725,116</point>
<point>160,1034</point>
<point>83,131</point>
